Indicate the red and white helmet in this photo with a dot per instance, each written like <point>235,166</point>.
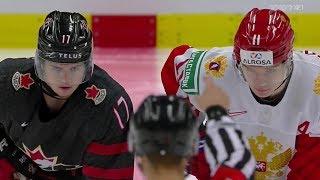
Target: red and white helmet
<point>264,33</point>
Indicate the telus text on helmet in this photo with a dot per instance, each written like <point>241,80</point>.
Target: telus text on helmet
<point>70,56</point>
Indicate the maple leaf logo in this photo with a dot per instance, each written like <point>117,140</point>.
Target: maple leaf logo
<point>92,92</point>
<point>95,94</point>
<point>47,163</point>
<point>40,158</point>
<point>21,81</point>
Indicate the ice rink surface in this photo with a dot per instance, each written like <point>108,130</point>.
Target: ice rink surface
<point>136,69</point>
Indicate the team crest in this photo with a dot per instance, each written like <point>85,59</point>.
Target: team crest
<point>216,67</point>
<point>316,88</point>
<point>46,163</point>
<point>271,159</point>
<point>21,81</point>
<point>95,94</point>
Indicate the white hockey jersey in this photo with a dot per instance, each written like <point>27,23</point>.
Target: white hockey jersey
<point>271,130</point>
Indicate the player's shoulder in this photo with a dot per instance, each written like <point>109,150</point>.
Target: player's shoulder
<point>103,79</point>
<point>102,89</point>
<point>17,73</point>
<point>220,55</point>
<point>306,73</point>
<point>186,51</point>
<point>179,50</point>
<point>306,65</point>
<point>193,64</point>
<point>306,77</point>
<point>15,64</point>
<point>216,62</point>
<point>307,58</point>
<point>187,55</point>
<point>107,98</point>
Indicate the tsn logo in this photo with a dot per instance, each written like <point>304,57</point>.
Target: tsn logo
<point>3,143</point>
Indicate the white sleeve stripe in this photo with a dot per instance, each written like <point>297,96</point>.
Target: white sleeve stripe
<point>210,159</point>
<point>227,142</point>
<point>235,138</point>
<point>218,142</point>
<point>238,153</point>
<point>211,148</point>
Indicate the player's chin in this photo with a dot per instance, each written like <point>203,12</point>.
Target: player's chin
<point>65,92</point>
<point>262,93</point>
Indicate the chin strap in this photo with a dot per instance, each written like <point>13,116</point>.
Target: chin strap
<point>269,98</point>
<point>47,89</point>
<point>285,80</point>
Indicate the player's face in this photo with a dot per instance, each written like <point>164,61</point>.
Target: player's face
<point>263,81</point>
<point>64,78</point>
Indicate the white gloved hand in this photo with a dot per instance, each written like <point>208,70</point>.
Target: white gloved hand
<point>226,146</point>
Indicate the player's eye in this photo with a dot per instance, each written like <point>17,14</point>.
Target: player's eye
<point>55,68</point>
<point>75,68</point>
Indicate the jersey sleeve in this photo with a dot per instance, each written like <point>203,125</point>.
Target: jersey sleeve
<point>8,67</point>
<point>108,157</point>
<point>170,71</point>
<point>184,71</point>
<point>4,78</point>
<point>306,162</point>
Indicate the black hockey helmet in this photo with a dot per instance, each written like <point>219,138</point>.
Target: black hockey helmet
<point>64,38</point>
<point>164,125</point>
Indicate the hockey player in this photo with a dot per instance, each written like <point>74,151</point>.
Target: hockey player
<point>274,93</point>
<point>164,135</point>
<point>67,114</point>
